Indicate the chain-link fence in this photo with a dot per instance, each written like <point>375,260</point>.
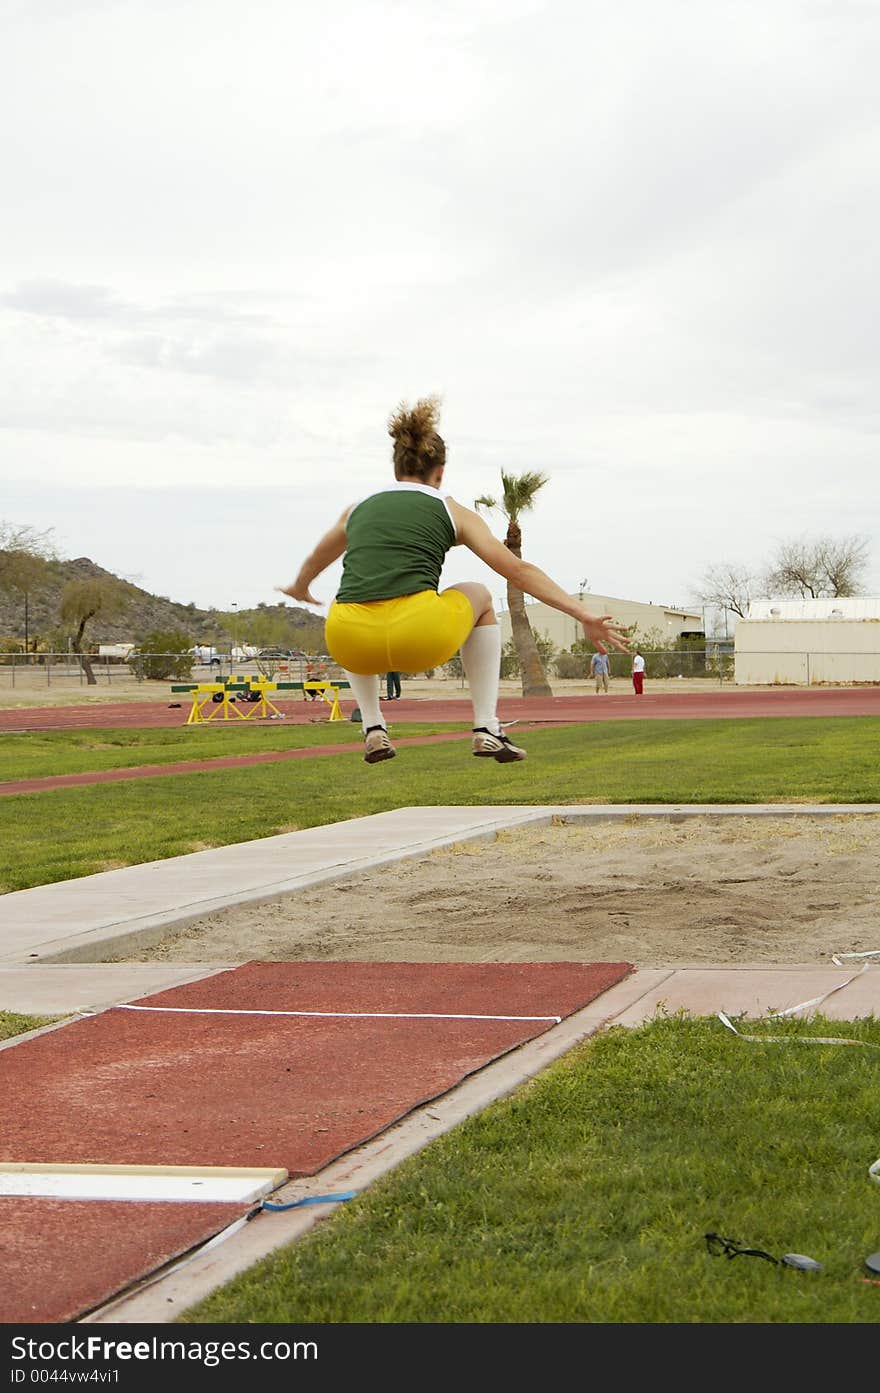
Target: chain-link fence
<point>712,665</point>
<point>72,670</point>
<point>764,669</point>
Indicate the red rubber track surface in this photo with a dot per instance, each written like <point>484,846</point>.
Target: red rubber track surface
<point>531,712</point>
<point>616,706</point>
<point>180,1088</point>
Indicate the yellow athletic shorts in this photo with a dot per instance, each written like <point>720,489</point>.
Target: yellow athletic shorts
<point>408,634</point>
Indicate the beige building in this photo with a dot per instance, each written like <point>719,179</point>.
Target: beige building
<point>807,642</point>
<point>664,620</point>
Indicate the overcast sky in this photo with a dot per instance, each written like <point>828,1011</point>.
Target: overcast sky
<point>630,244</point>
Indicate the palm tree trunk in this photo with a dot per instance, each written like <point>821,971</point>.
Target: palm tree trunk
<point>531,669</point>
<point>532,674</point>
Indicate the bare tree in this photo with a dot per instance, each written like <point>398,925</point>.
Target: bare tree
<point>82,600</point>
<point>728,588</point>
<point>845,561</point>
<point>820,567</point>
<point>26,556</point>
<point>28,539</point>
<point>519,495</point>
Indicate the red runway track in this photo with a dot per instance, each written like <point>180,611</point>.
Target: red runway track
<point>215,1082</point>
<point>617,706</point>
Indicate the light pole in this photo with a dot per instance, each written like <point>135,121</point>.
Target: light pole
<point>236,637</point>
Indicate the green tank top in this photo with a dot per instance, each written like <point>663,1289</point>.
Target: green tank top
<point>396,543</point>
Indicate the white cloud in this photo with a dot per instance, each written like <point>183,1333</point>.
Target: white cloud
<point>632,245</point>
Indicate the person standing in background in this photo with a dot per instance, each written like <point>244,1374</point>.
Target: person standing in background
<point>638,672</point>
<point>599,670</point>
<point>392,686</point>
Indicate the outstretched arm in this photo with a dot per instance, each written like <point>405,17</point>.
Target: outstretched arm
<point>328,550</point>
<point>474,533</point>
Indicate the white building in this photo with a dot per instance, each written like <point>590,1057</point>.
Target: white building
<point>667,621</point>
<point>808,642</point>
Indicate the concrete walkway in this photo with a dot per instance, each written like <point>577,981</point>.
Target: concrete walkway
<point>53,939</point>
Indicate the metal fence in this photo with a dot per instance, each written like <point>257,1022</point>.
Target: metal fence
<point>711,665</point>
<point>68,669</point>
<point>748,669</point>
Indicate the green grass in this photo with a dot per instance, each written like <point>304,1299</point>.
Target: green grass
<point>44,754</point>
<point>585,1196</point>
<point>63,833</point>
<point>12,1023</point>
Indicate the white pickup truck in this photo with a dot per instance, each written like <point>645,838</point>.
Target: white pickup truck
<point>206,655</point>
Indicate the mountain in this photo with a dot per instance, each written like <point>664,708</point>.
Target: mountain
<point>143,613</point>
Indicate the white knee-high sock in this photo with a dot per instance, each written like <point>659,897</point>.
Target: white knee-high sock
<point>481,660</point>
<point>366,694</point>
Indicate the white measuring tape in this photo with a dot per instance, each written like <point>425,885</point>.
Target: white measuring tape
<point>837,959</point>
<point>795,1039</point>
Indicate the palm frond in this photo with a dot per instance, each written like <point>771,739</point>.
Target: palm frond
<point>520,490</point>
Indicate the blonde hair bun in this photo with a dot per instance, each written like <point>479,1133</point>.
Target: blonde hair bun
<point>418,448</point>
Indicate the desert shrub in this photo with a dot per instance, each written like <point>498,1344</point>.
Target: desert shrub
<point>164,654</point>
<point>571,665</point>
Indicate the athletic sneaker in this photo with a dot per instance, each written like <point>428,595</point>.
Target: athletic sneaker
<point>377,745</point>
<point>489,746</point>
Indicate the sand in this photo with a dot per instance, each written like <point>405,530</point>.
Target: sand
<point>697,890</point>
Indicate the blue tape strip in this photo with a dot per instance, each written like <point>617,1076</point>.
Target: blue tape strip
<point>312,1199</point>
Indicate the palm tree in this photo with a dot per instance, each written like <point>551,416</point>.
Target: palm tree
<point>519,495</point>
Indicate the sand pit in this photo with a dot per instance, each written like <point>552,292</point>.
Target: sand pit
<point>655,893</point>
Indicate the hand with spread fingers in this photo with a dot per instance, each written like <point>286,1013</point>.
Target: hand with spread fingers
<point>299,592</point>
<point>603,629</point>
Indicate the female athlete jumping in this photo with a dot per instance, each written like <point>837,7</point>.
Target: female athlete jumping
<point>388,613</point>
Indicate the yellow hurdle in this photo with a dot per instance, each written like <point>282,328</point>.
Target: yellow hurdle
<point>264,705</point>
<point>204,693</point>
<point>323,688</point>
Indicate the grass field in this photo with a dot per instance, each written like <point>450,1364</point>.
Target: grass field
<point>39,754</point>
<point>586,1196</point>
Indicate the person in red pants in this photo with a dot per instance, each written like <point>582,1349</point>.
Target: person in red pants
<point>638,672</point>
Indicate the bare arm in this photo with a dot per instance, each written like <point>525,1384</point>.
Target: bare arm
<point>474,534</point>
<point>328,550</point>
